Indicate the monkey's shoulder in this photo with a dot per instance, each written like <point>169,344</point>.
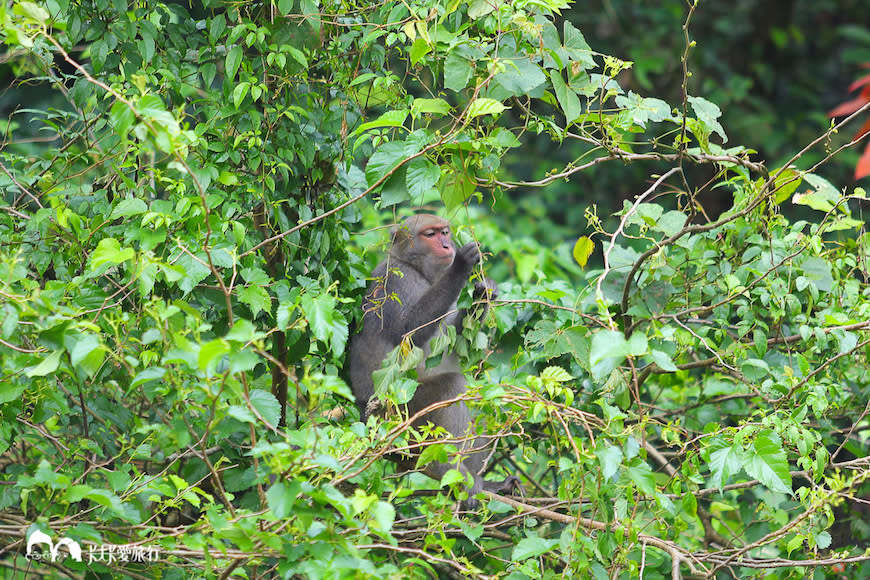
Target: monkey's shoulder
<point>398,274</point>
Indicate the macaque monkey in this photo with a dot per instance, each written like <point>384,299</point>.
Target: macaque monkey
<point>415,291</point>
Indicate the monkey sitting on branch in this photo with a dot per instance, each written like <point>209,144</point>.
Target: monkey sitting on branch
<point>414,296</point>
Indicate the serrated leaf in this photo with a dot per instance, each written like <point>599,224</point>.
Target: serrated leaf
<point>421,175</point>
<point>256,298</point>
<point>266,405</point>
<point>556,374</point>
<point>724,462</point>
<point>767,462</point>
<point>319,310</point>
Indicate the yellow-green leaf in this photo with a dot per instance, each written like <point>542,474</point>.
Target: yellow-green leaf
<point>583,249</point>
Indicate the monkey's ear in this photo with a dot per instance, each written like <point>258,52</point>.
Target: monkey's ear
<point>400,235</point>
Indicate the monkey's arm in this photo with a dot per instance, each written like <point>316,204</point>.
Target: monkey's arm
<point>439,298</point>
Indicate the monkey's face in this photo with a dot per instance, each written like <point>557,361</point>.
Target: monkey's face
<point>439,245</point>
<point>425,240</point>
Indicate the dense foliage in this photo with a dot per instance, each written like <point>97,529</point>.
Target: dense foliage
<point>186,230</point>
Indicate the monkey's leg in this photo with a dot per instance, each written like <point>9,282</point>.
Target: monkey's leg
<point>456,420</point>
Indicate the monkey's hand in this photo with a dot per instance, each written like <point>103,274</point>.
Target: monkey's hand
<point>485,290</point>
<point>466,258</point>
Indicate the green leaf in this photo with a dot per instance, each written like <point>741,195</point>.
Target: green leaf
<point>609,458</point>
<point>724,462</point>
<point>642,476</point>
<point>239,93</point>
<point>419,49</point>
<point>33,13</point>
<point>823,539</point>
<point>147,375</point>
<point>109,251</point>
<point>606,344</point>
<point>436,106</point>
<point>85,351</point>
<point>256,298</point>
<point>754,368</point>
<point>478,8</point>
<point>568,100</point>
<point>457,71</point>
<point>281,497</point>
<point>663,360</point>
<point>388,119</point>
<point>455,188</point>
<point>556,374</point>
<point>818,271</point>
<point>532,547</point>
<point>421,175</point>
<point>520,76</point>
<point>242,413</point>
<point>387,157</point>
<point>767,462</point>
<point>211,353</point>
<point>786,184</point>
<point>128,207</point>
<point>384,514</point>
<point>122,118</point>
<point>707,114</point>
<point>452,477</point>
<point>319,311</point>
<point>48,365</point>
<point>233,59</point>
<point>484,106</point>
<point>576,46</point>
<point>671,222</point>
<point>266,405</point>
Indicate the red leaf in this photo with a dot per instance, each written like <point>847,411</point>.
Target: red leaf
<point>863,167</point>
<point>859,83</point>
<point>865,128</point>
<point>848,107</point>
